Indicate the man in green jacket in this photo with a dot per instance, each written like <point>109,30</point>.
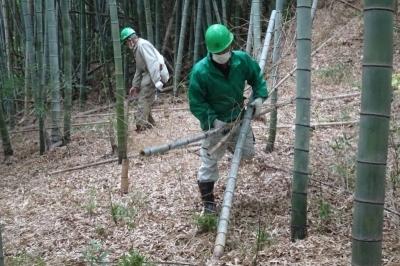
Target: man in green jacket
<point>216,98</point>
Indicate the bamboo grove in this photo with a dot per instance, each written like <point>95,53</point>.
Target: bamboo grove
<point>61,56</point>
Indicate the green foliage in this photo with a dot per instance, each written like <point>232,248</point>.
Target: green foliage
<point>206,222</point>
<point>324,215</point>
<point>95,254</point>
<point>324,210</point>
<point>133,258</point>
<point>124,214</point>
<point>396,81</point>
<point>335,74</point>
<point>25,259</point>
<point>263,239</point>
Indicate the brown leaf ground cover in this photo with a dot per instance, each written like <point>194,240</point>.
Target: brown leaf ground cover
<point>78,217</point>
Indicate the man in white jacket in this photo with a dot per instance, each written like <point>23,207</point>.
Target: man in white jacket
<point>151,75</point>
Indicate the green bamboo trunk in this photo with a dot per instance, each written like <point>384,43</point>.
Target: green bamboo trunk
<point>302,121</point>
<point>256,28</point>
<point>83,57</point>
<point>54,72</point>
<point>274,76</point>
<point>29,53</point>
<point>149,21</point>
<point>7,149</point>
<point>120,91</point>
<point>198,33</point>
<point>39,102</point>
<point>376,98</point>
<point>179,58</point>
<point>66,20</point>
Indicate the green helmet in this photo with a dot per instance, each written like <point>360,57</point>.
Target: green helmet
<point>126,33</point>
<point>218,38</point>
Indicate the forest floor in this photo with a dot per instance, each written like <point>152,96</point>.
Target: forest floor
<point>66,218</point>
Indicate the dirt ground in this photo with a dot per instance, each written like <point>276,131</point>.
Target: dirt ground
<point>66,218</point>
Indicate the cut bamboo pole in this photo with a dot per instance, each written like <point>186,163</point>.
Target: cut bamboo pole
<point>267,41</point>
<point>124,176</point>
<point>230,187</point>
<point>182,141</point>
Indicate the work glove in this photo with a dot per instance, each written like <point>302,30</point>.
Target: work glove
<point>257,103</point>
<point>159,85</point>
<point>218,123</point>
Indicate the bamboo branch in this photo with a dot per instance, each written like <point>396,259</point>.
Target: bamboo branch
<point>88,165</point>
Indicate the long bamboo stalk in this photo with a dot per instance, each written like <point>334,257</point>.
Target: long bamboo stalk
<point>1,249</point>
<point>54,67</point>
<point>302,121</point>
<point>224,216</point>
<point>372,152</point>
<point>66,6</point>
<point>179,58</point>
<point>120,91</point>
<point>181,142</point>
<point>274,77</point>
<point>267,41</point>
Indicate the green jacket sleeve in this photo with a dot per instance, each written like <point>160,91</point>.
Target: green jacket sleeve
<point>198,103</point>
<point>256,80</point>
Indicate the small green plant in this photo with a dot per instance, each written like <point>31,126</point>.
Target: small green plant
<point>124,214</point>
<point>206,222</point>
<point>95,254</point>
<point>133,258</point>
<point>263,239</point>
<point>25,259</point>
<point>396,81</point>
<point>324,210</point>
<point>91,205</point>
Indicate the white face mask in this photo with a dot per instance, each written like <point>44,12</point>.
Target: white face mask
<point>222,58</point>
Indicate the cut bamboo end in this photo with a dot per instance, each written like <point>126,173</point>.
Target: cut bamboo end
<point>218,251</point>
<point>124,176</point>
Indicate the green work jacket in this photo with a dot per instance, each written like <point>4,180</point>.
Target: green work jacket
<point>213,95</point>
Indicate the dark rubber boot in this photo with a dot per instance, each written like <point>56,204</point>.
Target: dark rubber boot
<point>207,197</point>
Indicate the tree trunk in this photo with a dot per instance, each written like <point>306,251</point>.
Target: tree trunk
<point>54,72</point>
<point>256,28</point>
<point>158,24</point>
<point>120,91</point>
<point>198,33</point>
<point>8,97</point>
<point>249,42</point>
<point>208,13</point>
<point>302,121</point>
<point>83,55</point>
<point>1,250</point>
<point>29,52</point>
<point>178,65</point>
<point>376,96</point>
<point>216,12</point>
<point>224,17</point>
<point>66,21</point>
<point>7,149</point>
<point>149,21</point>
<point>39,102</point>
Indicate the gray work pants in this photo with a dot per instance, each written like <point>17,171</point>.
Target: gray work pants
<point>143,108</point>
<point>208,171</point>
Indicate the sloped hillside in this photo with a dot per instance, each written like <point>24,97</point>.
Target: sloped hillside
<point>78,217</point>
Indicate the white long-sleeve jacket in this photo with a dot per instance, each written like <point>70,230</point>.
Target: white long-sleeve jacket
<point>150,66</point>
